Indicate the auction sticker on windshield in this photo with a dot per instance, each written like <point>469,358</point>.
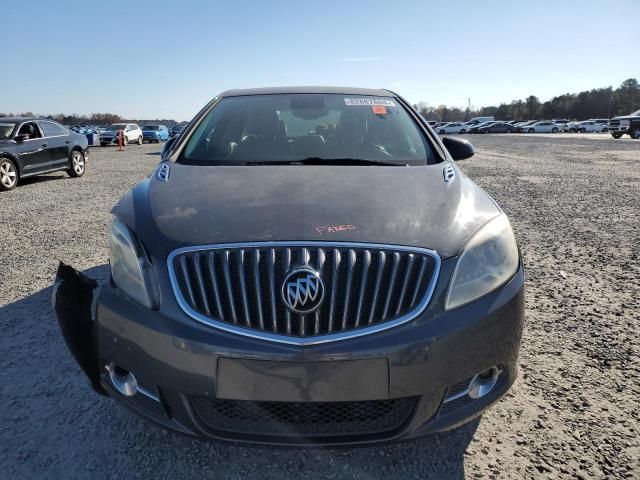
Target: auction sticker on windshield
<point>369,101</point>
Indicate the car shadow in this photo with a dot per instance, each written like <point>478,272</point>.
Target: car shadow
<point>55,426</point>
<point>45,177</point>
<point>153,153</point>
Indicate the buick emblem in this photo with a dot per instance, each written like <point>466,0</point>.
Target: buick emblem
<point>302,290</point>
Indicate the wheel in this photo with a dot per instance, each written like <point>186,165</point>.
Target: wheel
<point>616,135</point>
<point>583,130</point>
<point>531,130</point>
<point>77,164</point>
<point>509,130</point>
<point>485,131</point>
<point>554,130</point>
<point>8,174</point>
<point>605,130</point>
<point>635,133</point>
<point>441,132</point>
<point>103,144</point>
<point>125,140</point>
<point>463,131</point>
<point>139,140</point>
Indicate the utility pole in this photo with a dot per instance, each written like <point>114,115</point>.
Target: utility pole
<point>468,112</point>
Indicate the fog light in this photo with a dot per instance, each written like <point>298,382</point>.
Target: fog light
<point>483,383</point>
<point>123,381</point>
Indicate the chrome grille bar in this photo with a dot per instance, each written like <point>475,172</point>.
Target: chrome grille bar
<point>271,268</point>
<point>257,286</point>
<point>286,263</point>
<point>366,263</point>
<point>367,287</point>
<point>382,258</point>
<point>243,287</point>
<point>214,285</point>
<point>227,281</point>
<point>334,286</point>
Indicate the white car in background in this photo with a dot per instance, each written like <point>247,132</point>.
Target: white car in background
<point>545,126</point>
<point>453,127</point>
<point>590,126</point>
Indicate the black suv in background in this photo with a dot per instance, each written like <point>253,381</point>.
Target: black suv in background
<point>30,146</point>
<point>629,124</point>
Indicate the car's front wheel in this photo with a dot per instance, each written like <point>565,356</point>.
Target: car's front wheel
<point>463,131</point>
<point>139,140</point>
<point>509,130</point>
<point>441,132</point>
<point>531,130</point>
<point>8,174</point>
<point>616,135</point>
<point>635,133</point>
<point>77,160</point>
<point>554,130</point>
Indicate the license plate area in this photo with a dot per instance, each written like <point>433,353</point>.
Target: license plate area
<point>330,381</point>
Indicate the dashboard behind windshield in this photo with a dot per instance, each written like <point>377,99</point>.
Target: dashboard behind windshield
<point>294,127</point>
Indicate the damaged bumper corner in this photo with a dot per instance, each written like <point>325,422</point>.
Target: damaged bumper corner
<point>72,298</point>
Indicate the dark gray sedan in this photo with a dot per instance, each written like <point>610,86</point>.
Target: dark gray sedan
<point>31,146</point>
<point>497,127</point>
<point>306,266</point>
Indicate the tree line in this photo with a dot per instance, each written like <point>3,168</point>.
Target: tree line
<point>597,103</point>
<point>93,119</point>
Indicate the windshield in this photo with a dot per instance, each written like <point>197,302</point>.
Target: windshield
<point>294,127</point>
<point>151,127</point>
<point>5,130</point>
<point>117,126</point>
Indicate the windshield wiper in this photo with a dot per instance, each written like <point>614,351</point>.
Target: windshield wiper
<point>330,161</point>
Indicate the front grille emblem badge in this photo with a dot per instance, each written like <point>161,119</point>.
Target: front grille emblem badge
<point>302,290</point>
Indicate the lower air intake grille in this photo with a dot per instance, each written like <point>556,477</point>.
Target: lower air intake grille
<point>303,419</point>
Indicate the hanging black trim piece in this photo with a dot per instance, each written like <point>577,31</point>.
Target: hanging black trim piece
<point>72,299</point>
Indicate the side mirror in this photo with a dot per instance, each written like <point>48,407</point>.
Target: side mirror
<point>459,148</point>
<point>20,138</point>
<point>167,145</point>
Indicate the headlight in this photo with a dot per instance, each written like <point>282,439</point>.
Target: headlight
<point>131,270</point>
<point>488,260</point>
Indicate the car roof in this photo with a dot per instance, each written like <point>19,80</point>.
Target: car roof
<point>23,119</point>
<point>284,90</point>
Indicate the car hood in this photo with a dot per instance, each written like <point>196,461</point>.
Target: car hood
<point>411,206</point>
<point>625,117</point>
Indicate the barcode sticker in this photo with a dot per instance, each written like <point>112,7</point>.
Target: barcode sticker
<point>369,101</point>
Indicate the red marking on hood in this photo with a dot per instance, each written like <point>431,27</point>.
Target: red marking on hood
<point>321,230</point>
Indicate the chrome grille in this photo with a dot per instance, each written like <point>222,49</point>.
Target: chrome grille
<point>368,287</point>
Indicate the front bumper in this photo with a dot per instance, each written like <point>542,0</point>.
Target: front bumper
<point>187,370</point>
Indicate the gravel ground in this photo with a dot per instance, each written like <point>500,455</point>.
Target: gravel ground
<point>573,201</point>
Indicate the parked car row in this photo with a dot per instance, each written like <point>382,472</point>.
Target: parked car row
<point>131,133</point>
<point>515,126</point>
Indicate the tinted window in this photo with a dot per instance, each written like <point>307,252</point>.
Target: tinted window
<point>291,127</point>
<point>150,127</point>
<point>6,130</point>
<point>50,129</point>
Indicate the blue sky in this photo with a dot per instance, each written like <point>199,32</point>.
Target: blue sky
<point>166,59</point>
